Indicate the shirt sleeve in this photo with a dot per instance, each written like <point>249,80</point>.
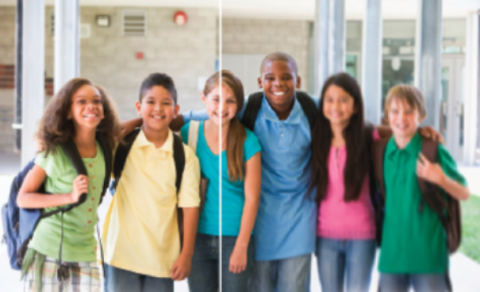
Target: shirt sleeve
<point>51,163</point>
<point>189,189</point>
<point>449,166</point>
<point>251,145</point>
<point>195,116</point>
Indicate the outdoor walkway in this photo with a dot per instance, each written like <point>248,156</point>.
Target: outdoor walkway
<point>465,273</point>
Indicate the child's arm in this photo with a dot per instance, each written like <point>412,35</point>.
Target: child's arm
<point>183,265</point>
<point>238,259</point>
<point>28,198</point>
<point>130,125</point>
<point>433,173</point>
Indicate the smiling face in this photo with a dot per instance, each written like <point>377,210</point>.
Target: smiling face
<point>221,110</point>
<point>338,105</point>
<point>403,119</point>
<point>86,110</point>
<point>279,81</point>
<point>157,109</point>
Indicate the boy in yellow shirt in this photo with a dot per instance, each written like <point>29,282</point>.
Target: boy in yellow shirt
<point>143,251</point>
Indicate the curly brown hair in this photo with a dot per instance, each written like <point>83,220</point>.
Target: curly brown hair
<point>55,127</point>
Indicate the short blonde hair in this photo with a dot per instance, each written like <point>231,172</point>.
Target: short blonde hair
<point>408,93</point>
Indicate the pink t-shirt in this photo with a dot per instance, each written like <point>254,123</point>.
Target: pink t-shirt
<point>345,220</point>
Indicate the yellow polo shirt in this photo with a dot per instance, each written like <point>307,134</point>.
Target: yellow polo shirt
<point>141,230</point>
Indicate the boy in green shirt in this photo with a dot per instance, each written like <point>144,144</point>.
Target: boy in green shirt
<point>414,251</point>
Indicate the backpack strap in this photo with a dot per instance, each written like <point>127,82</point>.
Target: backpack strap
<point>251,110</point>
<point>193,135</point>
<point>254,104</point>
<point>121,155</point>
<point>179,158</point>
<point>447,208</point>
<point>430,193</point>
<point>71,150</point>
<point>308,106</point>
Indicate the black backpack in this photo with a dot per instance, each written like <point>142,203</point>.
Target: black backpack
<point>178,156</point>
<point>19,224</point>
<point>255,102</point>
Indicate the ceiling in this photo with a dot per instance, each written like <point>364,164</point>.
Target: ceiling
<point>289,9</point>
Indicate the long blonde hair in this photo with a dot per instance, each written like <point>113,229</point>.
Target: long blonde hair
<point>236,134</point>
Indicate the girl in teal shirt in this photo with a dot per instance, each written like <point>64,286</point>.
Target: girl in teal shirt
<point>227,216</point>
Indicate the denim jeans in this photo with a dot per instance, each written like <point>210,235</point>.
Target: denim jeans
<point>345,265</point>
<point>285,275</point>
<point>204,276</point>
<point>119,280</point>
<point>419,282</point>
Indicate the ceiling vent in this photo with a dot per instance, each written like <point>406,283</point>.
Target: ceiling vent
<point>134,23</point>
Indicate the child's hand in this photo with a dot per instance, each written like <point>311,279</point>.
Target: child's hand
<point>181,268</point>
<point>431,172</point>
<point>429,132</point>
<point>80,186</point>
<point>238,260</point>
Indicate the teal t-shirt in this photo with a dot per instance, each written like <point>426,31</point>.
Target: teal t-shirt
<point>412,242</point>
<point>233,197</point>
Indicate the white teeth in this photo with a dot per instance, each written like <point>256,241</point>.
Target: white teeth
<point>157,117</point>
<point>279,93</point>
<point>90,116</point>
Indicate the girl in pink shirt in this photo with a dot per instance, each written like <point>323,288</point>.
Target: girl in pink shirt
<point>340,173</point>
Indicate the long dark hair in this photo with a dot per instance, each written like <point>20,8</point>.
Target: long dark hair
<point>55,127</point>
<point>358,154</point>
<point>236,134</point>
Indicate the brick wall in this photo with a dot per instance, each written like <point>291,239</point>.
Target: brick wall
<point>108,58</point>
<point>263,36</point>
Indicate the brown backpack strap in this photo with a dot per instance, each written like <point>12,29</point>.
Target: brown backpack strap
<point>447,209</point>
<point>429,191</point>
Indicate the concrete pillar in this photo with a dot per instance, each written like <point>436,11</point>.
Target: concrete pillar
<point>33,74</point>
<point>372,60</point>
<point>67,43</point>
<point>428,57</point>
<point>471,105</point>
<point>329,40</point>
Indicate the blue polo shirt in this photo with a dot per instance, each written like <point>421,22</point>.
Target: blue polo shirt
<point>285,225</point>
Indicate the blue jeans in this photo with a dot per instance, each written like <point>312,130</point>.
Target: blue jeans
<point>285,275</point>
<point>119,280</point>
<point>204,276</point>
<point>345,265</point>
<point>419,282</point>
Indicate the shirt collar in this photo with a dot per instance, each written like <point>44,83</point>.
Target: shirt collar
<point>411,148</point>
<point>293,118</point>
<point>142,141</point>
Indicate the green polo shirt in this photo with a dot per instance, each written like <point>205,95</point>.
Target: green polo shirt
<point>412,242</point>
<point>79,244</point>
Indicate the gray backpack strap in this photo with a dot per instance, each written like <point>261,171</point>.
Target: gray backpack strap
<point>193,135</point>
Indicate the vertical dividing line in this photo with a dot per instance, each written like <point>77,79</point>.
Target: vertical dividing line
<point>220,140</point>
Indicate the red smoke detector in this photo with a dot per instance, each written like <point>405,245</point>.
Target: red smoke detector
<point>180,17</point>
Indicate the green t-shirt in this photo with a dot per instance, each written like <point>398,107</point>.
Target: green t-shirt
<point>79,244</point>
<point>412,242</point>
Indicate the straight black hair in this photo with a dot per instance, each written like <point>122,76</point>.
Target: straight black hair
<point>358,155</point>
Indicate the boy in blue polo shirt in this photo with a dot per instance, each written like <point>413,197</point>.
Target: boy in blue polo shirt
<point>285,227</point>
